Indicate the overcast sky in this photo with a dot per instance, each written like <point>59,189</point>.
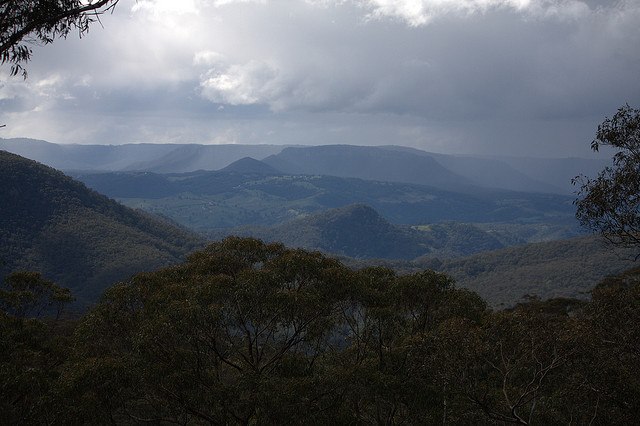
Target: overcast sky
<point>514,77</point>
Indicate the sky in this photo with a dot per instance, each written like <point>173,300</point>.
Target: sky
<point>488,77</point>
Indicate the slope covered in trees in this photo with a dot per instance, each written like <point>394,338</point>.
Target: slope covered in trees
<point>358,231</point>
<point>566,268</point>
<point>506,276</point>
<point>84,241</point>
<point>75,236</point>
<point>355,231</point>
<point>249,333</point>
<point>225,199</point>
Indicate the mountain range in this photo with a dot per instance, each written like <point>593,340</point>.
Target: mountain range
<point>304,196</point>
<point>160,158</point>
<point>384,163</point>
<point>249,192</point>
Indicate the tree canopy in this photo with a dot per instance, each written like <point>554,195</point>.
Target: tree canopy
<point>610,203</point>
<point>23,23</point>
<point>251,333</point>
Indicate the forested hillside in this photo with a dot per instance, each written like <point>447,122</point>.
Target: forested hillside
<point>505,276</point>
<point>75,236</point>
<point>565,268</point>
<point>358,231</point>
<point>249,333</point>
<point>207,201</point>
<point>86,242</point>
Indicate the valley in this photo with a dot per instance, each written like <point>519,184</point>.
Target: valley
<point>367,205</point>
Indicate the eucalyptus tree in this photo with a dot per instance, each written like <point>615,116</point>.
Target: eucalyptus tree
<point>25,23</point>
<point>610,203</point>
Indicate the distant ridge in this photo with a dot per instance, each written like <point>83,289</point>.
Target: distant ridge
<point>370,163</point>
<point>192,157</point>
<point>55,225</point>
<point>487,172</point>
<point>388,163</point>
<point>159,158</point>
<point>248,165</point>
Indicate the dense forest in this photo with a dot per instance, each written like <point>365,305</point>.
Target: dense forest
<point>79,238</point>
<point>245,332</point>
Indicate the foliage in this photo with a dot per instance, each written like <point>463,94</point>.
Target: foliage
<point>27,294</point>
<point>247,332</point>
<point>74,236</point>
<point>32,350</point>
<point>568,268</point>
<point>28,22</point>
<point>610,337</point>
<point>610,204</point>
<point>251,333</point>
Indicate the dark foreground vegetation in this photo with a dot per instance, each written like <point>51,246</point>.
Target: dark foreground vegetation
<point>252,333</point>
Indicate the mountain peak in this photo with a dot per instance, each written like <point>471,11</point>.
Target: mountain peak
<point>356,230</point>
<point>250,165</point>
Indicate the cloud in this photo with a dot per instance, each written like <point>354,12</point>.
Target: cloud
<point>241,84</point>
<point>158,9</point>
<point>421,12</point>
<point>455,65</point>
<point>221,3</point>
<point>207,58</point>
<point>417,72</point>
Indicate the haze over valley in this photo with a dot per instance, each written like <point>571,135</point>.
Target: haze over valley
<point>400,206</point>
